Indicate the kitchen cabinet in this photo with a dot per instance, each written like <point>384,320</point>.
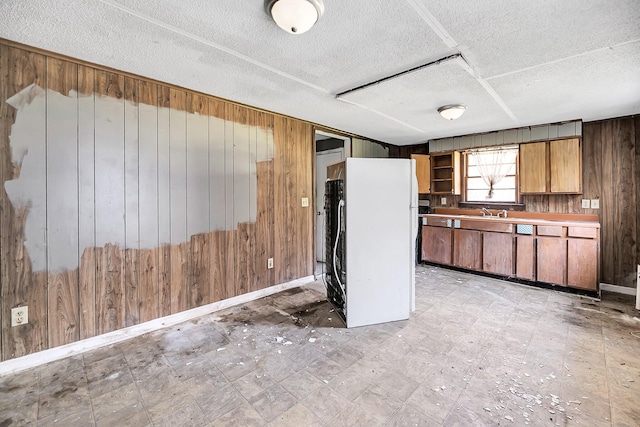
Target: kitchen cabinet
<point>525,257</point>
<point>445,173</point>
<point>423,172</point>
<point>551,167</point>
<point>436,244</point>
<point>467,249</point>
<point>497,253</point>
<point>582,249</point>
<point>565,166</point>
<point>533,168</point>
<point>557,252</point>
<point>551,260</point>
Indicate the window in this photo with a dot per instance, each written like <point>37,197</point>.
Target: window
<point>491,174</point>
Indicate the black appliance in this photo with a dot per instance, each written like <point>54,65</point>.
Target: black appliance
<point>424,207</point>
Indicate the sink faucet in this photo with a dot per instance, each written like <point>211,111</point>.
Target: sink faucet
<point>503,212</point>
<point>486,212</point>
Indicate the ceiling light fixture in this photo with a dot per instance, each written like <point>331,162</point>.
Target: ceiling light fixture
<point>294,16</point>
<point>452,112</point>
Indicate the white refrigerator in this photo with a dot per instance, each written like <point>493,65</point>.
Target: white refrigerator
<point>380,225</point>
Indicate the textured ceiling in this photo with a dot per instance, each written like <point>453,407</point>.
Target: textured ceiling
<point>524,62</point>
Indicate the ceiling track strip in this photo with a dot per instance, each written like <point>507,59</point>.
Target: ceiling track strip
<point>400,74</point>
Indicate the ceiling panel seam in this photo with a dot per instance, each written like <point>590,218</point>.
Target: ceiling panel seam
<point>556,61</point>
<point>393,119</point>
<point>444,35</point>
<point>490,90</point>
<point>209,43</point>
<point>435,25</point>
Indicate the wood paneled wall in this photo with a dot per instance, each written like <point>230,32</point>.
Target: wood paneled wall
<point>611,172</point>
<point>176,200</point>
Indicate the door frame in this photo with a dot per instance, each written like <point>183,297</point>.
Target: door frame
<point>347,153</point>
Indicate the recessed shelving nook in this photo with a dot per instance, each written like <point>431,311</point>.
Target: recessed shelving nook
<point>445,173</point>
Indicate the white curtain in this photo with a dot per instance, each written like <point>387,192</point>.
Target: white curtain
<point>494,164</point>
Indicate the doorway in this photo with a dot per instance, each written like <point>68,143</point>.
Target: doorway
<point>330,148</point>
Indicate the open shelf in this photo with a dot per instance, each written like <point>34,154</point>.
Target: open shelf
<point>445,173</point>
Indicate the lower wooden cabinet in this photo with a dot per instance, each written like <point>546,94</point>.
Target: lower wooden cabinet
<point>582,272</point>
<point>436,244</point>
<point>551,260</point>
<point>497,253</point>
<point>526,258</point>
<point>467,249</point>
<point>557,254</point>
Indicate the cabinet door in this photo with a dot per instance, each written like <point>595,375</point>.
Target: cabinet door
<point>497,253</point>
<point>582,263</point>
<point>467,249</point>
<point>551,259</point>
<point>436,244</point>
<point>525,258</point>
<point>533,167</point>
<point>566,166</point>
<point>423,172</point>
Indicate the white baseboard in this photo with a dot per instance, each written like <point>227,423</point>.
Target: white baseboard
<point>617,289</point>
<point>57,353</point>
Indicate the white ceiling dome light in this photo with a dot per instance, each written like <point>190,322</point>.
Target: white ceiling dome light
<point>453,111</point>
<point>295,16</point>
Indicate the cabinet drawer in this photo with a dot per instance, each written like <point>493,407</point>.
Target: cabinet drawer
<point>490,225</point>
<point>550,230</point>
<point>436,222</point>
<point>584,232</point>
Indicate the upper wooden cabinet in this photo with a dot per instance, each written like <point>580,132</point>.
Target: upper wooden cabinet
<point>533,167</point>
<point>445,173</point>
<point>566,166</point>
<point>551,167</point>
<point>423,172</point>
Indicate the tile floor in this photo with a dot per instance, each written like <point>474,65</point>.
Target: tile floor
<point>478,351</point>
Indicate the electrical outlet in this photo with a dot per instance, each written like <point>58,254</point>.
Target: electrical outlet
<point>19,316</point>
<point>305,202</point>
<point>270,263</point>
<point>443,200</point>
<point>586,203</point>
<point>595,203</point>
